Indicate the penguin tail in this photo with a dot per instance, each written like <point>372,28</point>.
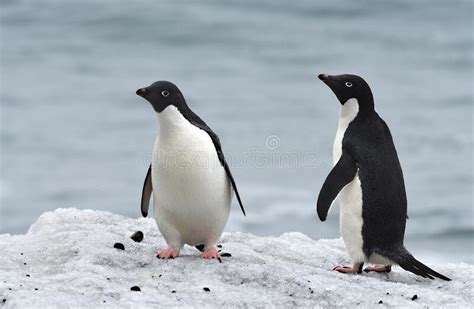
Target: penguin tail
<point>409,263</point>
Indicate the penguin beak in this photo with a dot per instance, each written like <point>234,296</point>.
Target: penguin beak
<point>141,92</point>
<point>324,77</point>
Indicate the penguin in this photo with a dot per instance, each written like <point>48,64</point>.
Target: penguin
<point>368,179</point>
<point>190,180</point>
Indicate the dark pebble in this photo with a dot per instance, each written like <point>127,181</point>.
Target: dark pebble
<point>36,289</point>
<point>159,276</point>
<point>415,297</point>
<point>24,263</point>
<point>380,302</point>
<point>108,278</point>
<point>4,300</point>
<point>291,295</point>
<point>21,253</point>
<point>226,254</point>
<point>388,293</point>
<point>135,288</point>
<point>137,236</point>
<point>206,289</point>
<point>27,275</point>
<point>173,291</point>
<point>312,292</point>
<point>119,246</point>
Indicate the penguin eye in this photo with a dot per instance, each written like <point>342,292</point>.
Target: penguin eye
<point>165,93</point>
<point>349,84</point>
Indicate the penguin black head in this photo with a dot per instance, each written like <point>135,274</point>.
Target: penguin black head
<point>162,94</point>
<point>347,87</point>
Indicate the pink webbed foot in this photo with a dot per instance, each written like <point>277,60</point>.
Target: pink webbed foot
<point>379,268</point>
<point>168,253</point>
<point>356,268</point>
<point>211,253</point>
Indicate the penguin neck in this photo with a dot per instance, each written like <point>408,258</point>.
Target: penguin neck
<point>171,122</point>
<point>355,108</point>
<point>348,112</point>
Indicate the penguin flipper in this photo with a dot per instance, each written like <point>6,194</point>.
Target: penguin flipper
<point>232,181</point>
<point>342,173</point>
<point>146,193</point>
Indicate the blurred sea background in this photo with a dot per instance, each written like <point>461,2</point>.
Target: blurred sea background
<point>74,134</point>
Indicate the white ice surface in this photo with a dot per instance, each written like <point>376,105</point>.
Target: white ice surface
<point>70,259</point>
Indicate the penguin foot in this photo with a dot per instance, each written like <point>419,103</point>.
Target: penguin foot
<point>379,269</point>
<point>211,253</point>
<point>168,253</point>
<point>356,268</point>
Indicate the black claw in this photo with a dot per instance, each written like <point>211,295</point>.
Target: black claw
<point>359,271</point>
<point>220,260</point>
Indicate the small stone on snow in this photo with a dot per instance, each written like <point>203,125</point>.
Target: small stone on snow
<point>137,236</point>
<point>119,246</point>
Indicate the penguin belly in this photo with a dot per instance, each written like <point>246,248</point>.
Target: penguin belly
<point>350,199</point>
<point>192,193</point>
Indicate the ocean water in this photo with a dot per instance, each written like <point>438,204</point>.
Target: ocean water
<point>74,134</point>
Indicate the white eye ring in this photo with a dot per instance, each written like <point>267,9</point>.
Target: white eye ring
<point>165,93</point>
<point>349,84</point>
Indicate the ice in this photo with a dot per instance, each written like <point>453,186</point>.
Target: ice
<point>68,256</point>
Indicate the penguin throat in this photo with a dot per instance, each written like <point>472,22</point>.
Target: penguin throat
<point>171,121</point>
<point>349,111</point>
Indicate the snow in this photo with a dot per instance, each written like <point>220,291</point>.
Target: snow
<point>67,259</point>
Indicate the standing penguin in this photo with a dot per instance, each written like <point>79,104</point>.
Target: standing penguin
<point>189,177</point>
<point>368,179</point>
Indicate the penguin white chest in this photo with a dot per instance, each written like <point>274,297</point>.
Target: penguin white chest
<point>191,190</point>
<point>350,197</point>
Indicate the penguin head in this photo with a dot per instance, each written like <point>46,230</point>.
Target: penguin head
<point>162,94</point>
<point>348,86</point>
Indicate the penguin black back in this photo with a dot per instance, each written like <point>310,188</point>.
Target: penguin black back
<point>368,153</point>
<point>162,94</point>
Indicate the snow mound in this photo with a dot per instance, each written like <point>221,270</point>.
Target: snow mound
<point>68,258</point>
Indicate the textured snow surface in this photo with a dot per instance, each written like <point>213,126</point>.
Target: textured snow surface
<point>67,258</point>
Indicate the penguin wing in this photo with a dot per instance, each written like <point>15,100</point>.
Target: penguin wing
<point>146,193</point>
<point>342,173</point>
<point>198,122</point>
